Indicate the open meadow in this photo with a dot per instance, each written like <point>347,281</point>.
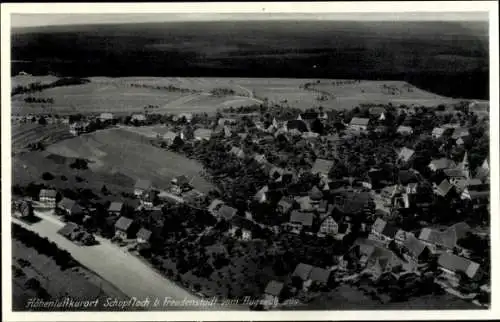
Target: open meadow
<point>123,153</point>
<point>127,95</point>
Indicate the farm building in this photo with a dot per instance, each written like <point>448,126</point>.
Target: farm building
<point>122,227</point>
<point>439,132</point>
<point>202,134</point>
<point>48,197</point>
<point>451,265</point>
<point>141,186</point>
<point>359,124</point>
<point>443,188</point>
<point>115,208</point>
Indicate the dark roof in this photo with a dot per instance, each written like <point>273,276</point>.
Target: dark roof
<point>242,222</point>
<point>68,229</point>
<point>274,288</point>
<point>115,206</point>
<point>407,176</point>
<point>304,218</point>
<point>144,234</point>
<point>458,264</point>
<point>444,187</point>
<point>227,212</point>
<point>297,124</point>
<point>303,271</point>
<point>67,203</point>
<point>390,231</point>
<point>123,223</point>
<point>413,245</point>
<point>319,274</point>
<point>143,184</point>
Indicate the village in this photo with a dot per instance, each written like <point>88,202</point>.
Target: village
<point>323,198</point>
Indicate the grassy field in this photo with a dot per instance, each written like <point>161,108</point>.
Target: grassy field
<point>118,152</point>
<point>118,96</point>
<point>78,283</point>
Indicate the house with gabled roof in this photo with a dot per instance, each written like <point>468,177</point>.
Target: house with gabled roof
<point>359,124</point>
<point>452,265</point>
<point>284,205</point>
<point>300,220</point>
<point>443,189</point>
<point>261,195</point>
<point>405,154</point>
<point>226,212</point>
<point>414,249</point>
<point>141,186</point>
<point>439,132</point>
<point>438,241</point>
<point>104,117</point>
<point>315,194</point>
<point>69,206</point>
<point>328,226</point>
<point>302,271</point>
<point>202,134</point>
<point>138,117</point>
<point>143,236</point>
<point>115,208</point>
<point>122,227</point>
<point>322,167</point>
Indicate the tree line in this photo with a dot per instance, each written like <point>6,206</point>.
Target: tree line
<point>38,86</point>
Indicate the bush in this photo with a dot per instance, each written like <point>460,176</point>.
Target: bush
<point>79,164</point>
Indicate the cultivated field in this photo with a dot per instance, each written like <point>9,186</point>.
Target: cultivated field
<point>25,134</point>
<point>123,153</point>
<point>78,283</point>
<point>118,96</point>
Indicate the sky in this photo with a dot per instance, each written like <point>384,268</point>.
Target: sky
<point>39,20</point>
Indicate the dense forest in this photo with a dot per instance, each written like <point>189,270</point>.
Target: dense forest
<point>448,58</point>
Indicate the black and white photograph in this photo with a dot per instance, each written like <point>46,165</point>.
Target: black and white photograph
<point>258,161</point>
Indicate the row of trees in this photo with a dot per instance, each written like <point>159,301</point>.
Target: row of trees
<point>38,86</point>
<point>43,246</point>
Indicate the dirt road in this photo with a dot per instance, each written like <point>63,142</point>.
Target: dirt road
<point>123,270</point>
